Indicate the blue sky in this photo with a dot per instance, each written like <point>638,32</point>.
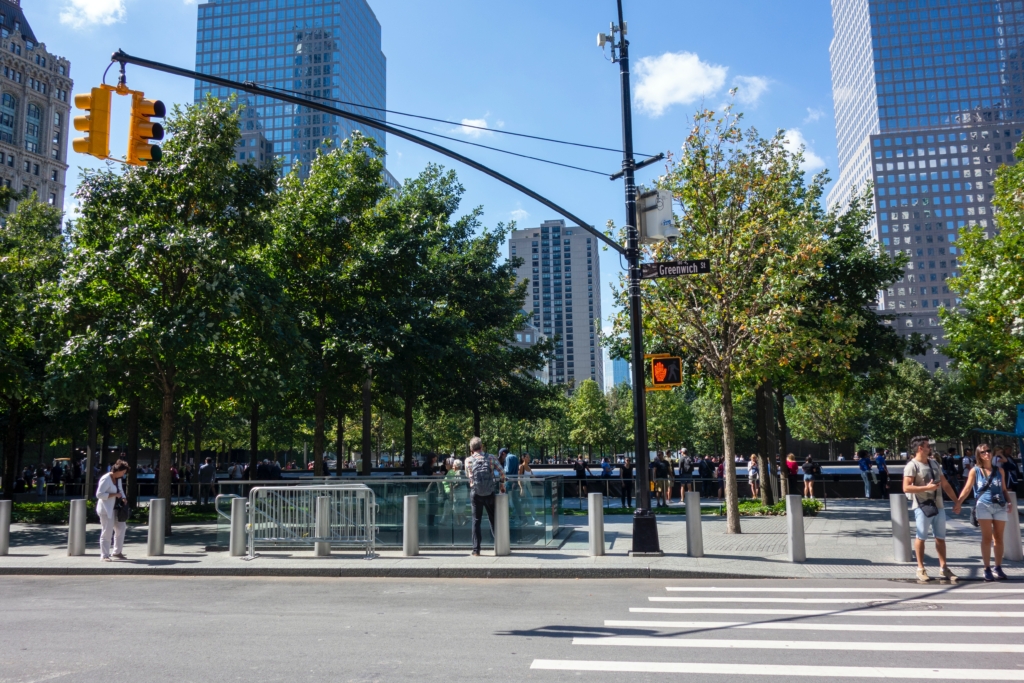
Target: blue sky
<point>528,66</point>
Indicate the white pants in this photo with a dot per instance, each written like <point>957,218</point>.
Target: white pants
<point>108,525</point>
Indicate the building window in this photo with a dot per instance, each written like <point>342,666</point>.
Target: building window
<point>8,107</point>
<point>53,176</point>
<point>53,199</point>
<point>34,119</point>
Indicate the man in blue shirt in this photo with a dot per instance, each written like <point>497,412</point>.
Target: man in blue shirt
<point>883,472</point>
<point>510,461</point>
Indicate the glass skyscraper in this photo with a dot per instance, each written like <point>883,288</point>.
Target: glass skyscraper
<point>323,49</point>
<point>929,103</point>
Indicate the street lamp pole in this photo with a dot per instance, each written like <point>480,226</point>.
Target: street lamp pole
<point>645,528</point>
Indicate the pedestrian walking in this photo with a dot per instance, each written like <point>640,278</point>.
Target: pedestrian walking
<point>482,469</point>
<point>685,473</point>
<point>883,473</point>
<point>865,471</point>
<point>526,478</point>
<point>207,477</point>
<point>626,470</point>
<point>753,476</point>
<point>991,508</point>
<point>720,477</point>
<point>949,468</point>
<point>110,496</point>
<point>808,469</point>
<point>580,468</point>
<point>924,484</point>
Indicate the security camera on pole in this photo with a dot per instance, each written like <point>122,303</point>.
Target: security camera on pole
<point>645,528</point>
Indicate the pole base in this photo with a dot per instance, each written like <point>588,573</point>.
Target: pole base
<point>645,536</point>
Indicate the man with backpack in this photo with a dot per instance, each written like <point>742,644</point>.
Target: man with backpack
<point>481,469</point>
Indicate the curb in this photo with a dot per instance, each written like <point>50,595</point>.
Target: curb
<point>390,572</point>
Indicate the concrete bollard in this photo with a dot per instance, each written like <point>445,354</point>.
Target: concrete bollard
<point>900,527</point>
<point>5,526</point>
<point>411,527</point>
<point>502,542</point>
<point>595,514</point>
<point>237,543</point>
<point>157,524</point>
<point>795,520</point>
<point>694,532</point>
<point>1012,549</point>
<point>323,526</point>
<point>76,528</point>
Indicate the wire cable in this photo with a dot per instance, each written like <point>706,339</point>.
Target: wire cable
<point>454,123</point>
<point>503,151</point>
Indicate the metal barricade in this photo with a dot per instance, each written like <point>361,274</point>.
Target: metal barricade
<point>286,515</point>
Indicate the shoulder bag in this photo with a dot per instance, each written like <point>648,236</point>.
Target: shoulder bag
<point>928,505</point>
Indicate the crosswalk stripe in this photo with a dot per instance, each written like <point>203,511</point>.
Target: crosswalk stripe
<point>652,641</point>
<point>772,589</point>
<point>844,613</point>
<point>804,626</point>
<point>780,670</point>
<point>846,601</point>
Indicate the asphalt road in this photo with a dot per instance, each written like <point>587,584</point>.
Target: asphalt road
<point>208,629</point>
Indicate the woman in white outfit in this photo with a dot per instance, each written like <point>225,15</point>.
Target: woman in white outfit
<point>108,491</point>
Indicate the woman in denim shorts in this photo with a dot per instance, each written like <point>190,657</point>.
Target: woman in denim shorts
<point>991,506</point>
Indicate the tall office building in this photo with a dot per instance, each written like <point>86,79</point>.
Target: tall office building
<point>34,110</point>
<point>323,49</point>
<point>564,296</point>
<point>928,102</point>
<point>620,372</point>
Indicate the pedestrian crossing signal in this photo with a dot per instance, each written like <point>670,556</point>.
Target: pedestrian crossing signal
<point>666,372</point>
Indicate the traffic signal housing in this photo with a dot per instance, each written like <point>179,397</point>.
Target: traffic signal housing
<point>95,124</point>
<point>666,372</point>
<point>141,130</point>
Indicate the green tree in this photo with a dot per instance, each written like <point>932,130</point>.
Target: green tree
<point>669,419</point>
<point>31,256</point>
<point>324,227</point>
<point>153,280</point>
<point>588,416</point>
<point>827,415</point>
<point>902,406</point>
<point>985,335</point>
<point>746,208</point>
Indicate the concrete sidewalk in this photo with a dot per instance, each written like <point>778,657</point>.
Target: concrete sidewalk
<point>850,540</point>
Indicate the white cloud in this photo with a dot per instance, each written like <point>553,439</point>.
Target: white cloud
<point>750,88</point>
<point>520,215</point>
<point>675,78</point>
<point>795,141</point>
<point>85,12</point>
<point>813,115</point>
<point>467,128</point>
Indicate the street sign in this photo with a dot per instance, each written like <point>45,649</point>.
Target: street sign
<point>650,271</point>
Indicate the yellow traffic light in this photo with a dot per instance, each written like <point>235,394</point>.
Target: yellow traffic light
<point>141,130</point>
<point>96,124</point>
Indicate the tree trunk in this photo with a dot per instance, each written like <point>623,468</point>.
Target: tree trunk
<point>105,456</point>
<point>367,425</point>
<point>11,447</point>
<point>166,451</point>
<point>476,421</point>
<point>783,428</point>
<point>133,450</point>
<point>732,504</point>
<point>408,433</point>
<point>198,443</point>
<point>254,439</point>
<point>339,438</point>
<point>766,439</point>
<point>319,438</point>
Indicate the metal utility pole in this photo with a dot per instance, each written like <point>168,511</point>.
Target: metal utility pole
<point>645,528</point>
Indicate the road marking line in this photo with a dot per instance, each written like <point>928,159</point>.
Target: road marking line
<point>781,670</point>
<point>937,589</point>
<point>847,601</point>
<point>653,641</point>
<point>804,626</point>
<point>836,613</point>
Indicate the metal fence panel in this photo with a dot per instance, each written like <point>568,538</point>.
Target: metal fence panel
<point>286,515</point>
